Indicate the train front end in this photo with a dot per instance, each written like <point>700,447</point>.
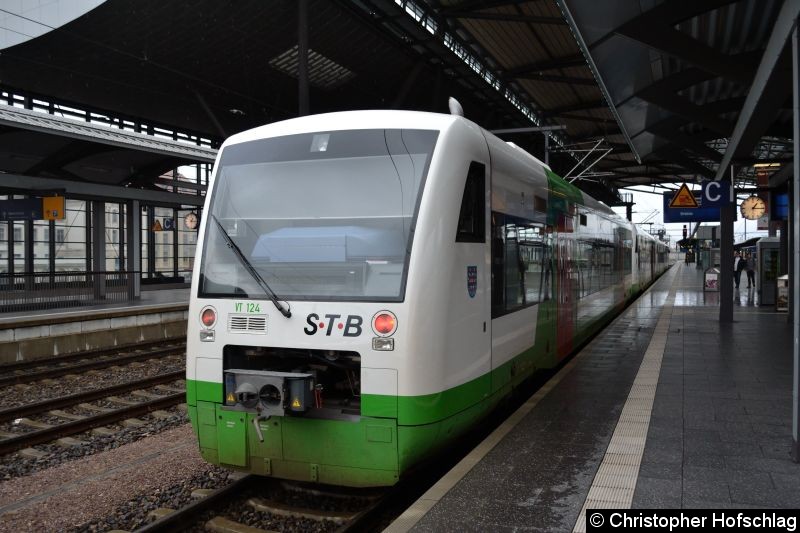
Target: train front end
<point>297,314</point>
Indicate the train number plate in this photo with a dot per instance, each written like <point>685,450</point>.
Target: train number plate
<point>247,307</point>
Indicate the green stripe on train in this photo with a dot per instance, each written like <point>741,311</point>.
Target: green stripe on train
<point>561,193</point>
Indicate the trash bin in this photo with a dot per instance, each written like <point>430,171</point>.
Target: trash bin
<point>782,303</point>
<point>711,279</point>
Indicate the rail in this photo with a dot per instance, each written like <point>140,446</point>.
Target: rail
<point>46,290</point>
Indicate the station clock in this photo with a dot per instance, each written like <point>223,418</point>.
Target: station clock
<point>190,220</point>
<point>753,208</point>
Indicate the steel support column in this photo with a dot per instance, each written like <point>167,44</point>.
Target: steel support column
<point>726,219</point>
<point>302,57</point>
<point>99,248</point>
<point>547,149</point>
<point>794,247</point>
<point>133,247</point>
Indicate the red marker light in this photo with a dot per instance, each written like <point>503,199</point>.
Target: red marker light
<point>384,323</point>
<point>208,317</point>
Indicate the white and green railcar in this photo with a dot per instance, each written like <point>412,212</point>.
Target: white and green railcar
<point>370,284</point>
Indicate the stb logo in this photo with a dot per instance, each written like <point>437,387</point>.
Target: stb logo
<point>472,280</point>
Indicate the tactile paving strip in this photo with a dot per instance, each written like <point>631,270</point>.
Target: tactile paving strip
<point>615,481</point>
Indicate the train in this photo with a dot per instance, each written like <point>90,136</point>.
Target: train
<point>369,285</point>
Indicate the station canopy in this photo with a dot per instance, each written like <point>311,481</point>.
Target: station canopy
<point>655,88</point>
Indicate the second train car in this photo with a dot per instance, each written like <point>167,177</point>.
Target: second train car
<point>369,284</point>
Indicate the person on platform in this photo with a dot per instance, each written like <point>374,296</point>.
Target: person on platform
<point>750,268</point>
<point>738,266</point>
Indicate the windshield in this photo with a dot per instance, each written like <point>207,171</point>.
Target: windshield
<point>320,216</point>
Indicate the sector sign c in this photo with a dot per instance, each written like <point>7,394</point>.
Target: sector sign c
<point>717,193</point>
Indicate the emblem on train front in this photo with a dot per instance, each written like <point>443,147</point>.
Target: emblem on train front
<point>472,280</point>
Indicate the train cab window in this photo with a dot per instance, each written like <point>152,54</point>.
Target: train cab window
<point>471,220</point>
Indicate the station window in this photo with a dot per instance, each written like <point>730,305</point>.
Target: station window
<point>115,224</point>
<point>471,219</point>
<point>71,238</point>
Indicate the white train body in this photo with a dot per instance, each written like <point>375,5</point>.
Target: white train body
<point>490,264</point>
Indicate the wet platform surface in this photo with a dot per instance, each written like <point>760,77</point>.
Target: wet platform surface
<point>715,431</point>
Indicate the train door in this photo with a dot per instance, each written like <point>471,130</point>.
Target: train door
<point>566,287</point>
<point>471,291</point>
<point>652,262</point>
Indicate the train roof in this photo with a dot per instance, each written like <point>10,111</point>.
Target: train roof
<point>382,118</point>
<point>351,120</point>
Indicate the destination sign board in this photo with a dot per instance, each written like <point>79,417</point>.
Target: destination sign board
<point>48,208</point>
<point>22,209</point>
<point>701,213</point>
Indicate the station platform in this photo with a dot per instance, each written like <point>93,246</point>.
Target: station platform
<point>157,315</point>
<point>666,408</point>
<point>149,300</point>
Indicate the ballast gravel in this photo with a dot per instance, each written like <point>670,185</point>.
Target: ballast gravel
<point>133,514</point>
<point>77,492</point>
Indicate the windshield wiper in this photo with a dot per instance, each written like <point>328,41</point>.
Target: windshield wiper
<point>253,272</point>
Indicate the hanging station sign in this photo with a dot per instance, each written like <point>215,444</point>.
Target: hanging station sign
<point>685,205</point>
<point>48,208</point>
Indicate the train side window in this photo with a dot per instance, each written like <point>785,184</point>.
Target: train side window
<point>520,264</point>
<point>471,219</point>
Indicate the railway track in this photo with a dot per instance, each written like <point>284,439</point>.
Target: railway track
<point>28,371</point>
<point>269,502</point>
<point>68,425</point>
<point>82,397</point>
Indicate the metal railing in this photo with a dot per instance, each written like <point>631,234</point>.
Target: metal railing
<point>48,290</point>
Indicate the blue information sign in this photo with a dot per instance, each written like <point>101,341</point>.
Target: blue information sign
<point>703,213</point>
<point>23,209</point>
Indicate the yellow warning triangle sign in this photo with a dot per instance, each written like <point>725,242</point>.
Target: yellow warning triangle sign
<point>231,398</point>
<point>296,403</point>
<point>683,198</point>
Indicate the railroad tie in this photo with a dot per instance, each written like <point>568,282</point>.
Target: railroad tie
<point>121,401</point>
<point>280,509</point>
<point>167,388</point>
<point>92,407</point>
<point>33,453</point>
<point>198,494</point>
<point>33,423</point>
<point>219,524</point>
<point>132,423</point>
<point>146,394</point>
<point>63,414</point>
<point>68,442</point>
<point>161,512</point>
